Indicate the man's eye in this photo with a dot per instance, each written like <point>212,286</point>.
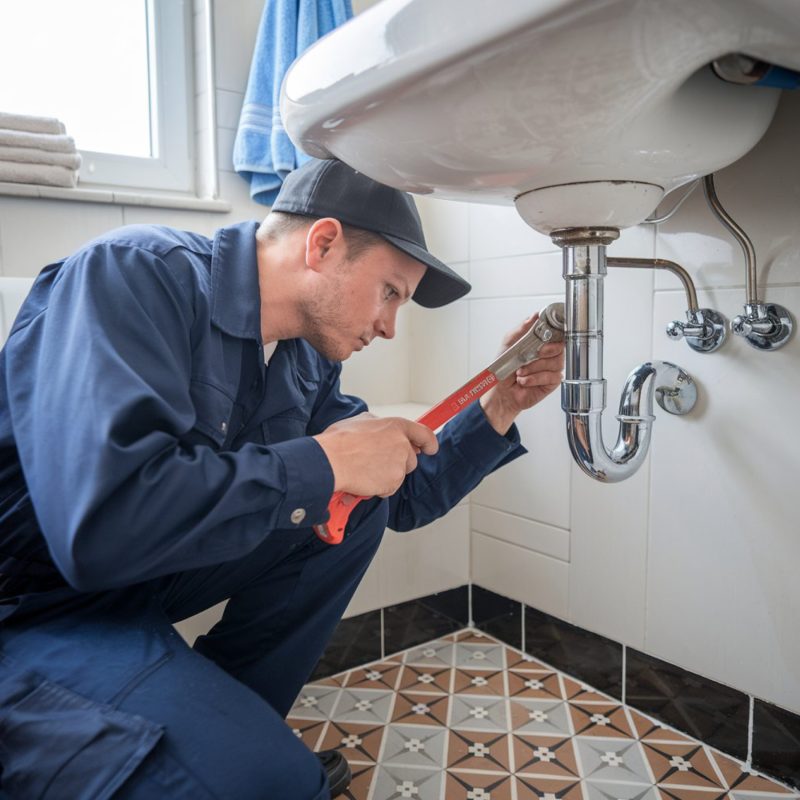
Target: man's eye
<point>391,292</point>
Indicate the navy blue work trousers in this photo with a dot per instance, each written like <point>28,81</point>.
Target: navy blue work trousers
<point>100,697</point>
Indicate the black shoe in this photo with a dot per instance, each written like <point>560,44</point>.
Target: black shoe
<point>339,775</point>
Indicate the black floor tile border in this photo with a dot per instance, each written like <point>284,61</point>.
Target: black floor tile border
<point>776,742</point>
<point>716,714</point>
<point>705,709</point>
<point>576,651</point>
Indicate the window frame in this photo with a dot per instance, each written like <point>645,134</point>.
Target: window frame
<point>169,38</point>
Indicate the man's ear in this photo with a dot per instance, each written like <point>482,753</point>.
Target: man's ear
<point>325,239</point>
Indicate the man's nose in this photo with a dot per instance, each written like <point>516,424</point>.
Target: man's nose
<point>386,324</point>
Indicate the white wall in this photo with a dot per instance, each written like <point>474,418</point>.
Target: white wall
<point>695,559</point>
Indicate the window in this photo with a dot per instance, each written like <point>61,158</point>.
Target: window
<point>116,73</point>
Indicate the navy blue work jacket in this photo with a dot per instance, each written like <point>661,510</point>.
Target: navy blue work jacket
<point>141,433</point>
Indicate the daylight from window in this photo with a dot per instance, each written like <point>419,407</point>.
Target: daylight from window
<point>84,62</point>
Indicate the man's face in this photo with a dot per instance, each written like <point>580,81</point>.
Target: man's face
<point>359,300</point>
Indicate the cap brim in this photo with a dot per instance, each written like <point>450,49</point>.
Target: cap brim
<point>440,285</point>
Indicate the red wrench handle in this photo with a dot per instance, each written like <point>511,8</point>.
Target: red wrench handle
<point>342,503</point>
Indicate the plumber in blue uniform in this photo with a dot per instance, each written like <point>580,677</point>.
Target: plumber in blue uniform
<point>153,464</point>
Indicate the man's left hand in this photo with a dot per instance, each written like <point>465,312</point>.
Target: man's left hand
<point>528,386</point>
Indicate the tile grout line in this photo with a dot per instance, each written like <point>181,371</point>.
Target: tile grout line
<point>522,632</point>
<point>749,763</point>
<point>470,619</point>
<point>383,638</point>
<point>624,675</point>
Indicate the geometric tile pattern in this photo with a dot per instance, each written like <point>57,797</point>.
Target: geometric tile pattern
<point>465,717</point>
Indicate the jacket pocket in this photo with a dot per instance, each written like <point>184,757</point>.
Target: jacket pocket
<point>58,745</point>
<point>213,411</point>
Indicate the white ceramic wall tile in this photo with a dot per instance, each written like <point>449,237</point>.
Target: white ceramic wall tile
<point>540,581</point>
<point>446,226</point>
<point>496,231</point>
<point>225,140</point>
<point>536,485</point>
<point>229,107</point>
<point>12,293</point>
<point>196,221</point>
<point>439,351</point>
<point>724,548</point>
<point>762,193</point>
<point>516,276</point>
<point>427,560</point>
<point>236,24</point>
<point>379,374</point>
<point>638,242</point>
<point>34,232</point>
<point>608,547</point>
<point>236,190</point>
<point>544,539</point>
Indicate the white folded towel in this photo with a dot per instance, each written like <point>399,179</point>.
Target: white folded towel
<point>58,143</point>
<point>41,174</point>
<point>24,122</point>
<point>33,155</point>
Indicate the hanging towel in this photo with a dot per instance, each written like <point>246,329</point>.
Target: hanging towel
<point>263,153</point>
<point>40,174</point>
<point>23,122</point>
<point>43,141</point>
<point>34,155</point>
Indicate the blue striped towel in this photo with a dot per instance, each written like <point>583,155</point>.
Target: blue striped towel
<point>263,153</point>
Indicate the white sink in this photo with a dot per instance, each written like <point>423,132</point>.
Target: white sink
<point>612,102</point>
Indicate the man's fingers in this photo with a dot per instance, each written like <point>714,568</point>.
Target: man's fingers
<point>421,437</point>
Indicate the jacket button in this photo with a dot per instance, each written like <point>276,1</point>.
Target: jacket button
<point>298,515</point>
<point>224,427</point>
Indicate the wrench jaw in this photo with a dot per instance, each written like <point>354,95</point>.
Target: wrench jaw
<point>548,328</point>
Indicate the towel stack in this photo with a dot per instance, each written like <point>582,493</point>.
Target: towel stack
<point>37,150</point>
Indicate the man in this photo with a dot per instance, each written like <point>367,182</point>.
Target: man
<point>152,464</point>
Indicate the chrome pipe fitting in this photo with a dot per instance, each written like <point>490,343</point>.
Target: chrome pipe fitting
<point>583,391</point>
<point>705,329</point>
<point>765,326</point>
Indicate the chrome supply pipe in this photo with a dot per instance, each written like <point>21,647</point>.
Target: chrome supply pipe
<point>583,391</point>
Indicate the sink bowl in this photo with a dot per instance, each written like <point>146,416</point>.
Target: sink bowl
<point>581,113</point>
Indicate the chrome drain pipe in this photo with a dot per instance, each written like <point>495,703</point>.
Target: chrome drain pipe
<point>583,391</point>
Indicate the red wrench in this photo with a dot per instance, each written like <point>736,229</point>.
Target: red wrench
<point>548,328</point>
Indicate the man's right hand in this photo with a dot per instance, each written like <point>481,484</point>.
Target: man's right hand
<point>371,456</point>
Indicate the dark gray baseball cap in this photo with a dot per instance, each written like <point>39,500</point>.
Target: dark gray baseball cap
<point>333,189</point>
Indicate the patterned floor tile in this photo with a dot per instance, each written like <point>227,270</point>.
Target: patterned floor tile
<point>545,756</point>
<point>543,685</point>
<point>650,730</point>
<point>361,782</point>
<point>421,709</point>
<point>357,741</point>
<point>433,654</point>
<point>547,789</point>
<point>472,681</point>
<point>415,746</point>
<point>600,720</point>
<point>435,680</point>
<point>601,790</point>
<point>461,785</point>
<point>465,717</point>
<point>399,783</point>
<point>364,705</point>
<point>486,655</point>
<point>479,713</point>
<point>686,765</point>
<point>479,750</point>
<point>617,760</point>
<point>307,730</point>
<point>376,676</point>
<point>741,780</point>
<point>548,717</point>
<point>315,702</point>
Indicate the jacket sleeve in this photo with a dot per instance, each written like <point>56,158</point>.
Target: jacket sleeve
<point>99,397</point>
<point>469,450</point>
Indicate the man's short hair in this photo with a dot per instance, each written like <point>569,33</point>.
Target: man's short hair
<point>281,223</point>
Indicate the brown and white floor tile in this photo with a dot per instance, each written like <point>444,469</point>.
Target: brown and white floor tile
<point>465,717</point>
